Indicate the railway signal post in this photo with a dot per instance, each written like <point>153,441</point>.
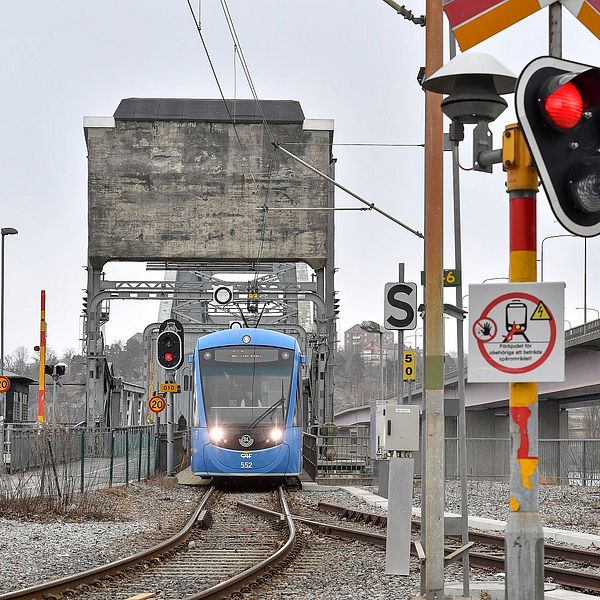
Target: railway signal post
<point>524,533</point>
<point>170,356</point>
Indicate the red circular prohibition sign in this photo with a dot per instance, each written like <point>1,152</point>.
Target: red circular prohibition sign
<point>551,341</point>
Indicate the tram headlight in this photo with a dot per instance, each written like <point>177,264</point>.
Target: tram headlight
<point>216,434</point>
<point>276,434</point>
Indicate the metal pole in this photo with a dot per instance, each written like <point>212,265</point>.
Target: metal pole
<point>555,30</point>
<point>345,189</point>
<point>524,536</point>
<point>127,456</point>
<point>2,311</point>
<point>381,378</point>
<point>434,317</point>
<point>400,356</point>
<point>54,399</point>
<point>42,370</point>
<point>462,417</point>
<point>170,376</point>
<point>584,285</point>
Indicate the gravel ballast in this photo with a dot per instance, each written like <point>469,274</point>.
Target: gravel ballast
<point>145,514</point>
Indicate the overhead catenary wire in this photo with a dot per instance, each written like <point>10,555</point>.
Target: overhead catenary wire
<point>370,205</point>
<point>244,64</point>
<point>369,144</point>
<point>214,72</point>
<point>240,54</point>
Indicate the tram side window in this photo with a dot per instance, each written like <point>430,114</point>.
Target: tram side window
<point>297,405</point>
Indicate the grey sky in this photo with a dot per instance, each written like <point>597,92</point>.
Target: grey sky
<point>354,61</point>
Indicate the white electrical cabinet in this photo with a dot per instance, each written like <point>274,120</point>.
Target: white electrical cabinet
<point>401,427</point>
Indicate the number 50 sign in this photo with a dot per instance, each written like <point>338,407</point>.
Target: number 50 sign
<point>409,370</point>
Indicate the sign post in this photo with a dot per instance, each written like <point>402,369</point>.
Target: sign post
<point>41,417</point>
<point>170,356</point>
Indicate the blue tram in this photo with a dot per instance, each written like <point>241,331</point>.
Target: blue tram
<point>248,406</point>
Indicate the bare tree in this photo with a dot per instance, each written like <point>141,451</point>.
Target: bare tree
<point>591,422</point>
<point>18,361</point>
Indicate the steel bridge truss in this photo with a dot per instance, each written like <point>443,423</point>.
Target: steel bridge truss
<point>273,300</point>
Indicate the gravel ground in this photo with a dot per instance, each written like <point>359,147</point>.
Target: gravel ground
<point>145,514</point>
<point>31,552</point>
<point>565,507</point>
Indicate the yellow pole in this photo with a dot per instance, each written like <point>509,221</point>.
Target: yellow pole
<point>524,534</point>
<point>42,374</point>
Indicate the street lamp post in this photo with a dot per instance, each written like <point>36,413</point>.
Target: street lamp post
<point>585,306</point>
<point>585,309</point>
<point>373,327</point>
<point>550,237</point>
<point>5,231</point>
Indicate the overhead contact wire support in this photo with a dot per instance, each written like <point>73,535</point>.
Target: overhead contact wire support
<point>524,534</point>
<point>433,436</point>
<point>370,205</point>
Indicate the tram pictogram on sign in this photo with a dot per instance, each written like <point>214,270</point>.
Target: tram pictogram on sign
<point>517,332</point>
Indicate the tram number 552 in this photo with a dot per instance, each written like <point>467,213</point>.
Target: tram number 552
<point>245,465</point>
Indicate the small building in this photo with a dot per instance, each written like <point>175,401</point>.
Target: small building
<point>14,404</point>
<point>356,338</point>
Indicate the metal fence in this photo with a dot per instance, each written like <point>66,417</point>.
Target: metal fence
<point>343,456</point>
<point>83,457</point>
<point>309,454</point>
<point>561,462</point>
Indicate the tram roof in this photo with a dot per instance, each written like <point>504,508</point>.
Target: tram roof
<point>258,337</point>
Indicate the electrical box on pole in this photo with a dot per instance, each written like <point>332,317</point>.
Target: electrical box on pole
<point>402,428</point>
<point>558,107</point>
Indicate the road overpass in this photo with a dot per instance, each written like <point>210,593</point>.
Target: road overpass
<point>487,403</point>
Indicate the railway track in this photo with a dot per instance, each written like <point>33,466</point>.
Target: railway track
<point>214,555</point>
<point>576,579</point>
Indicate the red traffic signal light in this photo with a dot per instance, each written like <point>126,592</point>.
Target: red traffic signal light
<point>563,106</point>
<point>169,349</point>
<point>558,107</point>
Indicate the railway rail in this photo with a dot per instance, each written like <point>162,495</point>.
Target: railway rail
<point>579,555</point>
<point>575,579</point>
<point>202,563</point>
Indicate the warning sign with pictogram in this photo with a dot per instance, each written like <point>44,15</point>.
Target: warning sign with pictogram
<point>516,332</point>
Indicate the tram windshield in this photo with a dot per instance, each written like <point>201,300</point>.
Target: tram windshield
<point>246,386</point>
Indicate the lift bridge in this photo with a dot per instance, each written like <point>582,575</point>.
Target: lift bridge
<point>176,184</point>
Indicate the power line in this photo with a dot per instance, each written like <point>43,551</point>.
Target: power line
<point>371,144</point>
<point>245,68</point>
<point>214,72</point>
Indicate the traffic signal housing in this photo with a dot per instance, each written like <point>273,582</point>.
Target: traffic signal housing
<point>169,350</point>
<point>558,107</point>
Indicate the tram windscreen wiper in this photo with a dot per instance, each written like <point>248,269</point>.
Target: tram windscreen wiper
<point>266,413</point>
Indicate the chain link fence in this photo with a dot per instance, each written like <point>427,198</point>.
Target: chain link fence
<point>54,459</point>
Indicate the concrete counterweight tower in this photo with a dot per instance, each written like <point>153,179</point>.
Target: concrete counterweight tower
<point>176,181</point>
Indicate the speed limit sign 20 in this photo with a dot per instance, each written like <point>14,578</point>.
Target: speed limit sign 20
<point>4,384</point>
<point>157,404</point>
